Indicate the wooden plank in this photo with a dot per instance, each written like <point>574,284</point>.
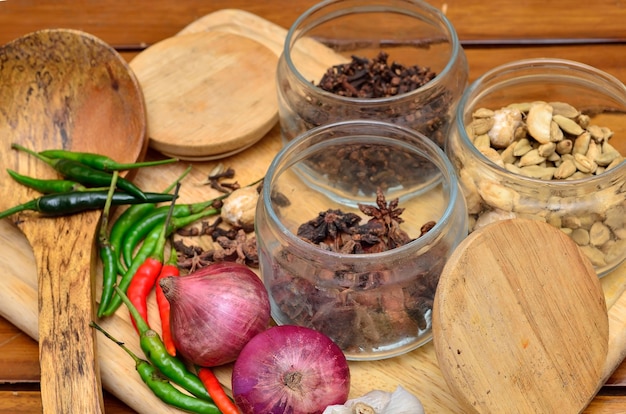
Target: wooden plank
<point>607,404</point>
<point>19,355</point>
<point>535,19</point>
<point>16,401</point>
<point>609,58</point>
<point>137,23</point>
<point>618,379</point>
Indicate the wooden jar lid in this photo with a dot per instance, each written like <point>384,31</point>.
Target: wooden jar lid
<point>520,323</point>
<point>208,94</point>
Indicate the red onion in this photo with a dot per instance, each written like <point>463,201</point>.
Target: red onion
<point>215,311</point>
<point>290,369</point>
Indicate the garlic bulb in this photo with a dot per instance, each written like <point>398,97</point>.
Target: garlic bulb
<point>239,207</point>
<point>380,402</point>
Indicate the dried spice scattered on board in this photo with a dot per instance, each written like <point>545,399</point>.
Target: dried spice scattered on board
<point>231,234</point>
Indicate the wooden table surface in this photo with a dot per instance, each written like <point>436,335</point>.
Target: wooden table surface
<point>491,32</point>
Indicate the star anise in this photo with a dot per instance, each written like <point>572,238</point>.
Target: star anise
<point>387,214</point>
<point>234,246</point>
<point>242,249</point>
<point>328,226</point>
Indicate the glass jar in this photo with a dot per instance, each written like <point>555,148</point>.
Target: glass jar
<point>590,207</point>
<point>410,32</point>
<point>373,302</point>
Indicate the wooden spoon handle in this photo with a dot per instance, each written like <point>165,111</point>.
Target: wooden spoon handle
<point>65,281</point>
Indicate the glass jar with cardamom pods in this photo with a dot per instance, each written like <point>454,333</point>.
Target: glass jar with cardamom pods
<point>545,139</point>
<point>398,61</point>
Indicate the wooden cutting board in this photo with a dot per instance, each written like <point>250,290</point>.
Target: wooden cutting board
<point>417,371</point>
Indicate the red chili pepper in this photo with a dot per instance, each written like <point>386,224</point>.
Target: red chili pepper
<point>216,391</point>
<point>169,269</point>
<point>142,284</point>
<point>146,275</point>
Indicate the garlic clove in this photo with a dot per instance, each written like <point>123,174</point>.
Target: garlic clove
<point>380,402</point>
<point>239,207</point>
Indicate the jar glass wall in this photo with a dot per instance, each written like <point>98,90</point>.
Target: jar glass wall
<point>374,302</point>
<point>410,32</point>
<point>589,206</point>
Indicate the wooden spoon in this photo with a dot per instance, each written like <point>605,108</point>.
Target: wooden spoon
<point>520,322</point>
<point>65,89</point>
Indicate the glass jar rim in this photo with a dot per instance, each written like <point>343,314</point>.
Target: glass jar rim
<point>526,64</point>
<point>293,35</point>
<point>437,157</point>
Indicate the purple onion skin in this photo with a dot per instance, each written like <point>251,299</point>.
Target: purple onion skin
<point>311,362</point>
<point>215,311</point>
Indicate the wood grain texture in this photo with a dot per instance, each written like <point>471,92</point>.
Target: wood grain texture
<point>207,93</point>
<point>418,371</point>
<point>132,26</point>
<point>516,330</point>
<point>64,89</point>
<point>610,58</point>
<point>499,20</point>
<point>29,402</point>
<point>19,356</point>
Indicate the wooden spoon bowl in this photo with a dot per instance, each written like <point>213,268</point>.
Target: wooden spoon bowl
<point>65,89</point>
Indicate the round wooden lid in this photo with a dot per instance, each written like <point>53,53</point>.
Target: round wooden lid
<point>208,94</point>
<point>520,321</point>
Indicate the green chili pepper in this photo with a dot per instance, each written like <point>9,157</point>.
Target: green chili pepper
<point>101,162</point>
<point>156,218</point>
<point>147,248</point>
<point>152,345</point>
<point>84,174</point>
<point>160,386</point>
<point>76,202</point>
<point>107,256</point>
<point>140,231</point>
<point>132,215</point>
<point>109,273</point>
<point>47,186</point>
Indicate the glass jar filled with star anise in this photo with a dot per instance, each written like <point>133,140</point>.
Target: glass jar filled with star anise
<point>358,263</point>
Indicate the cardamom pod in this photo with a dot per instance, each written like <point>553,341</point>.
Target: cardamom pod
<point>538,121</point>
<point>581,144</point>
<point>522,147</point>
<point>584,164</point>
<point>532,157</point>
<point>564,109</point>
<point>481,126</point>
<point>568,125</point>
<point>565,170</point>
<point>565,146</point>
<point>482,113</point>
